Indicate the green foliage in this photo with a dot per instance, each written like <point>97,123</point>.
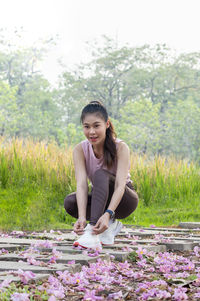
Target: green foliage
<point>4,171</point>
<point>151,93</point>
<point>133,256</point>
<point>35,178</point>
<point>182,129</point>
<point>8,107</point>
<point>36,294</point>
<point>138,124</point>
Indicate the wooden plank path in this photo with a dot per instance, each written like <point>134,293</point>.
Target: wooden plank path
<point>46,253</point>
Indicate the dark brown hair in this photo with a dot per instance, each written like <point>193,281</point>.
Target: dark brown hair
<point>110,151</point>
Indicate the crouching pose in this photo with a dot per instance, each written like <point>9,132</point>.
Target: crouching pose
<point>105,161</point>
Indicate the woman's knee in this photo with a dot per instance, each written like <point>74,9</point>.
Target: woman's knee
<point>70,201</point>
<point>136,200</point>
<point>127,206</point>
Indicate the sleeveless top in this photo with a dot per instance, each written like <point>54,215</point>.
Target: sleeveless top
<point>93,163</point>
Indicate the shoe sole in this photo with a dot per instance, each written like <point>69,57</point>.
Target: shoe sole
<point>108,244</point>
<point>76,244</point>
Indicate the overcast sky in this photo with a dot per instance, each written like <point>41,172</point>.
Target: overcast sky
<point>136,22</point>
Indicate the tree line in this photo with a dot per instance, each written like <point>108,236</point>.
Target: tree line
<point>152,95</point>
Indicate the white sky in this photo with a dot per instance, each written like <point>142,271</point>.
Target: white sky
<point>136,22</point>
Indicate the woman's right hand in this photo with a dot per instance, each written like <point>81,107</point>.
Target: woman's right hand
<point>80,225</point>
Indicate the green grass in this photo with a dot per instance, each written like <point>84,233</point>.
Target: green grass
<point>165,215</point>
<point>35,177</point>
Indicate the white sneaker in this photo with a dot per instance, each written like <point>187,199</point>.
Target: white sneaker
<point>108,236</point>
<point>88,240</point>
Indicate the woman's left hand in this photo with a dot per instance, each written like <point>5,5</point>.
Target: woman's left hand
<point>102,224</point>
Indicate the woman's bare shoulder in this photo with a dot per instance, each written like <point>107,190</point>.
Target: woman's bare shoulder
<point>77,147</point>
<point>122,146</point>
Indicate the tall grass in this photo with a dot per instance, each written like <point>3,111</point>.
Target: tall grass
<point>165,179</point>
<point>36,176</point>
<point>34,179</point>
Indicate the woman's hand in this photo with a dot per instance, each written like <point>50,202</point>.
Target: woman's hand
<point>102,224</point>
<point>80,225</point>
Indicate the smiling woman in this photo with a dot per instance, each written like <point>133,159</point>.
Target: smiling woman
<point>94,130</point>
<point>105,161</point>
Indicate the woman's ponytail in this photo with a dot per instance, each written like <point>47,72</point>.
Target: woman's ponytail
<point>110,151</point>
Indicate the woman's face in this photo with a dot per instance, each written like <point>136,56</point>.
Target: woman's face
<point>94,128</point>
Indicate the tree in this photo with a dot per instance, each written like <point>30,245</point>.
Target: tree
<point>34,110</point>
<point>8,109</point>
<point>139,126</point>
<point>40,116</point>
<point>182,135</point>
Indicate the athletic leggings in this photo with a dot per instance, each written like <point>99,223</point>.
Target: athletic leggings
<point>100,197</point>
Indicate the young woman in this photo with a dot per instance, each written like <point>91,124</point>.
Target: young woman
<point>105,161</point>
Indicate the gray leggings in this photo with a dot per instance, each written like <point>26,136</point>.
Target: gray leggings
<point>100,196</point>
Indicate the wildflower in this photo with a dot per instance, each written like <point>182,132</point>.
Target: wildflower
<point>58,292</point>
<point>56,289</point>
<point>197,295</point>
<point>52,298</point>
<point>116,296</point>
<point>142,263</point>
<point>133,243</point>
<point>5,235</point>
<point>32,261</point>
<point>165,268</point>
<point>43,244</point>
<point>197,281</point>
<point>158,236</point>
<point>181,275</point>
<point>18,233</point>
<point>150,269</point>
<point>127,249</point>
<point>180,294</point>
<point>25,276</point>
<point>3,251</point>
<point>190,266</point>
<point>155,293</point>
<point>90,296</point>
<point>93,253</point>
<point>20,297</point>
<point>197,251</point>
<point>124,265</point>
<point>33,233</point>
<point>56,253</point>
<point>163,294</point>
<point>5,283</point>
<point>140,251</point>
<point>71,262</point>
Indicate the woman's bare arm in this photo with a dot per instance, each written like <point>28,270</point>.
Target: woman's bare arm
<point>81,180</point>
<point>81,188</point>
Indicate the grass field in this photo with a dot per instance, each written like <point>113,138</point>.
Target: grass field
<point>35,177</point>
